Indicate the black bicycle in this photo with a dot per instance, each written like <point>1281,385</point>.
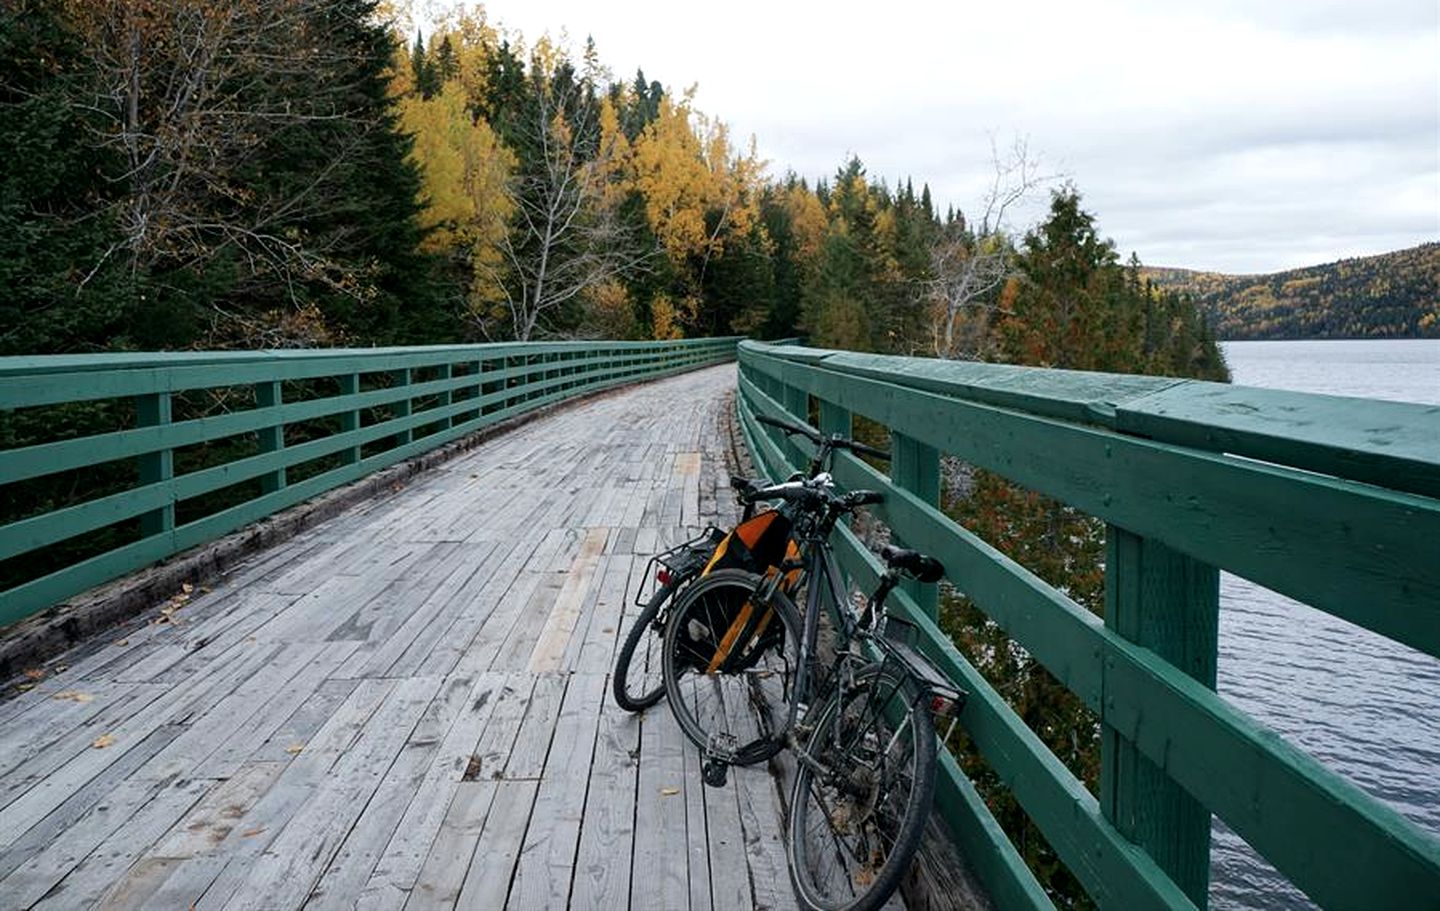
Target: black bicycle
<point>744,677</point>
<point>636,681</point>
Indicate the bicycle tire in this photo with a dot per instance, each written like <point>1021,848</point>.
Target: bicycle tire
<point>629,696</point>
<point>888,831</point>
<point>747,697</point>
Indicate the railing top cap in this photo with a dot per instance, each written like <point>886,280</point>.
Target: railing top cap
<point>1389,443</point>
<point>71,363</point>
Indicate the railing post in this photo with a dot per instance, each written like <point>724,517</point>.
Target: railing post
<point>153,410</point>
<point>476,391</point>
<point>834,419</point>
<point>447,371</point>
<point>349,420</point>
<point>915,467</point>
<point>797,402</point>
<point>1169,603</point>
<point>402,407</point>
<point>272,438</point>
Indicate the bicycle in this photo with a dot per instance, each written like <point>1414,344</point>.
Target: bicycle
<point>865,746</point>
<point>677,568</point>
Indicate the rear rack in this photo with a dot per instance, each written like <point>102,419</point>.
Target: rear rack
<point>681,561</point>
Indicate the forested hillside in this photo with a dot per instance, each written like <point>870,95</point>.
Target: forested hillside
<point>1393,295</point>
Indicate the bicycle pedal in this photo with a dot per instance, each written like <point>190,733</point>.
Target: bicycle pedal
<point>714,772</point>
<point>722,747</point>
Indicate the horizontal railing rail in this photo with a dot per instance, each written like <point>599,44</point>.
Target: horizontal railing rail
<point>464,388</point>
<point>1327,500</point>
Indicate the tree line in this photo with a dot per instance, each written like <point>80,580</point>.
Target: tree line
<point>297,173</point>
<point>1393,295</point>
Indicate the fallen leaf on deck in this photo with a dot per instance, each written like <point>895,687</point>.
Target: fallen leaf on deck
<point>103,741</point>
<point>35,673</point>
<point>669,792</point>
<point>608,629</point>
<point>187,588</point>
<point>122,641</point>
<point>24,687</point>
<point>251,833</point>
<point>292,750</point>
<point>73,696</point>
<point>60,668</point>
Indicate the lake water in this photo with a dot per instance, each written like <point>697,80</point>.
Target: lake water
<point>1359,703</point>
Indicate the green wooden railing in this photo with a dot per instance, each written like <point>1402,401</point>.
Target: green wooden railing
<point>1327,500</point>
<point>383,405</point>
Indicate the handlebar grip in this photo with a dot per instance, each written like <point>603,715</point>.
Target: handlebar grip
<point>864,497</point>
<point>922,567</point>
<point>869,450</point>
<point>788,427</point>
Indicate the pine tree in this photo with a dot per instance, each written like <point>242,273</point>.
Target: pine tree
<point>60,286</point>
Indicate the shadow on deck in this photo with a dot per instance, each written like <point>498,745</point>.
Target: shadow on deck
<point>406,706</point>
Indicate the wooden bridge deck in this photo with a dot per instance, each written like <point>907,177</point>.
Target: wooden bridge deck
<point>407,706</point>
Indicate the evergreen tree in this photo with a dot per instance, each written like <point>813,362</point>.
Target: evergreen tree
<point>61,288</point>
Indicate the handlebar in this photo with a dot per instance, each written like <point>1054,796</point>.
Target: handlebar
<point>836,441</point>
<point>809,496</point>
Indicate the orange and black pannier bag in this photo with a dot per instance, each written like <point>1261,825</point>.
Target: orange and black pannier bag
<point>760,544</point>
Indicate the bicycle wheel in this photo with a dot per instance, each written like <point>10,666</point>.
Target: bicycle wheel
<point>729,666</point>
<point>634,689</point>
<point>862,791</point>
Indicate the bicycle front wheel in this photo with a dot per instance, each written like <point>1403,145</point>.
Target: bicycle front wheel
<point>729,663</point>
<point>861,794</point>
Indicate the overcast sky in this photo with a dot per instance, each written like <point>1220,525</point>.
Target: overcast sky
<point>1233,135</point>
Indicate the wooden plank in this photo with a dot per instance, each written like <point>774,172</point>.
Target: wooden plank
<point>596,652</point>
<point>212,820</point>
<point>356,858</point>
<point>283,876</point>
<point>607,831</point>
<point>469,646</point>
<point>443,874</point>
<point>233,714</point>
<point>729,867</point>
<point>519,643</point>
<point>31,880</point>
<point>547,861</point>
<point>555,634</point>
<point>696,833</point>
<point>81,802</point>
<point>487,880</point>
<point>660,845</point>
<point>399,865</point>
<point>248,735</point>
<point>47,794</point>
<point>459,563</point>
<point>302,724</point>
<point>761,821</point>
<point>197,880</point>
<point>532,740</point>
<point>92,878</point>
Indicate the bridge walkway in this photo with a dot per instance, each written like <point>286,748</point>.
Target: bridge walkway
<point>406,706</point>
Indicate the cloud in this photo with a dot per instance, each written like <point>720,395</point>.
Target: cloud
<point>1221,134</point>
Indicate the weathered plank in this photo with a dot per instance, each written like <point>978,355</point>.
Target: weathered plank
<point>542,878</point>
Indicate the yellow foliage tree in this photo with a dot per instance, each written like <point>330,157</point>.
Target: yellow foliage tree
<point>685,169</point>
<point>466,172</point>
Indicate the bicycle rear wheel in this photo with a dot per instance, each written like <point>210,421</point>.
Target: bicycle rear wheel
<point>862,791</point>
<point>729,663</point>
<point>636,686</point>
